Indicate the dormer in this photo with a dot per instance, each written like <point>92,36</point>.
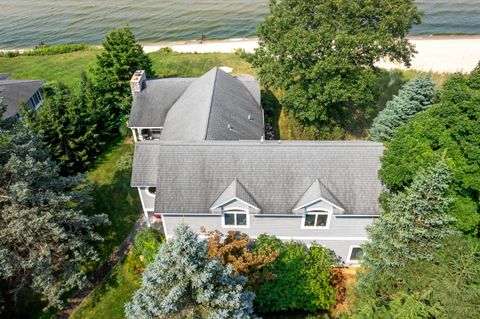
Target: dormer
<point>235,205</point>
<point>317,205</point>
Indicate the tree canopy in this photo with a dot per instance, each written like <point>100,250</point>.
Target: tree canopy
<point>321,54</point>
<point>450,127</point>
<point>114,68</point>
<point>183,282</point>
<point>415,96</point>
<point>45,235</point>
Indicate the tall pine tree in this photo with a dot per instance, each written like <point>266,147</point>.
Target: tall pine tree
<point>121,57</point>
<point>183,283</point>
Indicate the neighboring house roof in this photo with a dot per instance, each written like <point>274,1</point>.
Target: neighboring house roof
<point>14,92</point>
<point>4,76</point>
<point>216,106</point>
<point>190,177</point>
<point>151,105</point>
<point>235,191</point>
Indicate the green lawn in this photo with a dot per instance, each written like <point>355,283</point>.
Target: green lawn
<point>113,194</point>
<point>107,300</point>
<point>65,68</point>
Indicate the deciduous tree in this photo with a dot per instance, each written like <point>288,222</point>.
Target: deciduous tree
<point>321,54</point>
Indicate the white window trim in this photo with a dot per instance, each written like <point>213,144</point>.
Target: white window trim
<point>328,212</point>
<point>350,250</point>
<point>235,210</point>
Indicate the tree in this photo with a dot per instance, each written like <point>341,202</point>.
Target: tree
<point>183,283</point>
<point>321,54</point>
<point>115,65</point>
<point>75,127</point>
<point>301,277</point>
<point>411,226</point>
<point>235,250</point>
<point>45,236</point>
<point>451,126</point>
<point>415,96</point>
<point>448,286</point>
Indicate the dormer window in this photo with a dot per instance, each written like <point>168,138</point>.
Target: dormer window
<point>151,191</point>
<point>316,220</point>
<point>235,218</point>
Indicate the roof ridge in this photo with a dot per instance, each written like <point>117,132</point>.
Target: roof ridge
<point>211,101</point>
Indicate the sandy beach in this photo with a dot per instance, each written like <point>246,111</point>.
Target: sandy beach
<point>441,54</point>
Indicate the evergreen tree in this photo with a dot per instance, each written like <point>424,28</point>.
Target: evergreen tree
<point>321,54</point>
<point>183,283</point>
<point>117,62</point>
<point>415,96</point>
<point>411,225</point>
<point>45,237</point>
<point>74,127</point>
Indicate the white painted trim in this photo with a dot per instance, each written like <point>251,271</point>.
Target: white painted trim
<point>329,214</point>
<point>164,225</point>
<point>235,210</point>
<point>349,261</point>
<point>316,201</point>
<point>232,199</point>
<point>134,134</point>
<point>145,212</point>
<point>147,127</point>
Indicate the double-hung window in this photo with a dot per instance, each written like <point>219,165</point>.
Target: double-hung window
<point>355,254</point>
<point>316,219</point>
<point>235,218</point>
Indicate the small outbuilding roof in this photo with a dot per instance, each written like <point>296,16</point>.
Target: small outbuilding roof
<point>190,176</point>
<point>14,92</point>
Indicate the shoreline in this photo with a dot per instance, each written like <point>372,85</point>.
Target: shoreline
<point>436,53</point>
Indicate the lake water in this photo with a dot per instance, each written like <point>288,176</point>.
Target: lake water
<point>23,23</point>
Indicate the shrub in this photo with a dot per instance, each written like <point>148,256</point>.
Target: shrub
<point>165,50</point>
<point>301,277</point>
<point>57,49</point>
<point>234,250</point>
<point>144,250</point>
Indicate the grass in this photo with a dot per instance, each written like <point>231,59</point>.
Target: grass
<point>65,68</point>
<point>113,194</point>
<point>107,300</point>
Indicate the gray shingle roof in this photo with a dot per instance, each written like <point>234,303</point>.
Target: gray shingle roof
<point>14,92</point>
<point>216,106</point>
<point>235,190</point>
<point>150,107</point>
<point>190,176</point>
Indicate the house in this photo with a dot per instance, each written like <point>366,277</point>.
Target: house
<point>17,92</point>
<point>323,191</point>
<point>215,106</point>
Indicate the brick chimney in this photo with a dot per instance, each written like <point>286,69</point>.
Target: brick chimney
<point>138,81</point>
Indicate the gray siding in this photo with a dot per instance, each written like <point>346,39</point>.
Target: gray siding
<point>342,233</point>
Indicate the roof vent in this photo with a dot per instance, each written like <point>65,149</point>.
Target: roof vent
<point>138,81</point>
<point>262,139</point>
<point>250,117</point>
<point>229,126</point>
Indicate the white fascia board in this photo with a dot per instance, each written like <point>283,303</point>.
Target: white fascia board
<point>232,199</point>
<point>316,201</point>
